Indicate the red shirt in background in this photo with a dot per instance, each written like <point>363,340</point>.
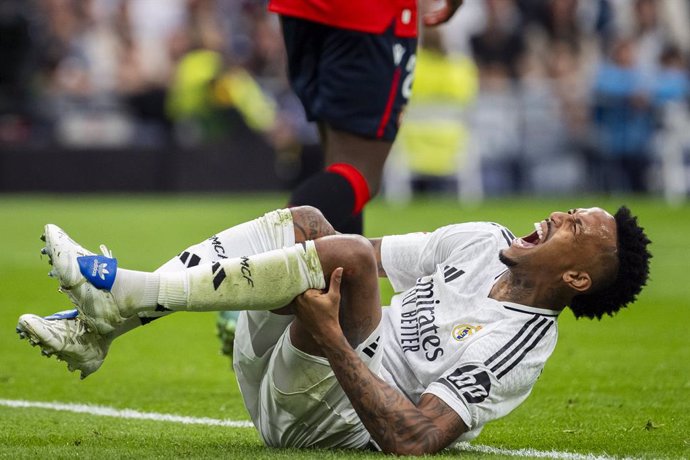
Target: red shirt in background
<point>371,16</point>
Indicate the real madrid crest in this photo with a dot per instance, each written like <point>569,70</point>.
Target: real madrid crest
<point>463,331</point>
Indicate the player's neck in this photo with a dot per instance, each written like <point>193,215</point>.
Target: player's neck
<point>519,288</point>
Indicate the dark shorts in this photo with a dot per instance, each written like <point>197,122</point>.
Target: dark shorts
<point>354,81</point>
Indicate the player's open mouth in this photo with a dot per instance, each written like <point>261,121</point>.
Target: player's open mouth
<point>541,233</point>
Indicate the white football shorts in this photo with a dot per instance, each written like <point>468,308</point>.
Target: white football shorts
<point>292,397</point>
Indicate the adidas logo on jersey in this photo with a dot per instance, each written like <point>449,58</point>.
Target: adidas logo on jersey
<point>451,273</point>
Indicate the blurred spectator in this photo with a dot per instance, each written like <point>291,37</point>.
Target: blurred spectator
<point>433,141</point>
<point>206,97</point>
<point>565,67</point>
<point>560,21</point>
<point>500,46</point>
<point>671,83</point>
<point>151,26</point>
<point>665,18</point>
<point>553,111</point>
<point>624,119</point>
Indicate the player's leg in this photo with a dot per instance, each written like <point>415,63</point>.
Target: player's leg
<point>360,161</point>
<point>64,335</point>
<point>264,281</point>
<point>355,85</point>
<point>298,401</point>
<point>271,231</point>
<point>360,312</point>
<point>105,294</point>
<point>85,350</point>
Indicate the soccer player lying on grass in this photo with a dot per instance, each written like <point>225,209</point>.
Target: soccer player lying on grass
<point>462,343</point>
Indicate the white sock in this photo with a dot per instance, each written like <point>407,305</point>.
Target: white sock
<point>273,230</point>
<point>133,290</point>
<point>261,282</point>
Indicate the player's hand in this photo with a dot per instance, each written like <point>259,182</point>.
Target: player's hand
<point>442,14</point>
<point>318,310</point>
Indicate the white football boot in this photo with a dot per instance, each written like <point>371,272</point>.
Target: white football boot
<point>85,278</point>
<point>66,337</point>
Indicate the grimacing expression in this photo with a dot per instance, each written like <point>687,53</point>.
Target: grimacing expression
<point>566,240</point>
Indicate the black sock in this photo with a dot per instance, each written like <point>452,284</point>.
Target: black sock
<point>355,224</point>
<point>329,192</point>
<point>340,192</point>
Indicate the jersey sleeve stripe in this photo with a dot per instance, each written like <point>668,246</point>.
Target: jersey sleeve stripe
<point>519,346</point>
<point>452,274</point>
<point>508,236</point>
<point>515,338</point>
<point>527,350</point>
<point>529,312</point>
<point>451,387</point>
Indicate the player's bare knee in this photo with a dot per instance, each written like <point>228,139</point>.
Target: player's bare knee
<point>310,223</point>
<point>359,258</point>
<point>353,253</point>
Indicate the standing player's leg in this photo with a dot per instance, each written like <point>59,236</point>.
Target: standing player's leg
<point>355,85</point>
<point>360,161</point>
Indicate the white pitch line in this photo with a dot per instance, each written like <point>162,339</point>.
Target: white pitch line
<point>124,413</point>
<point>106,411</point>
<point>529,453</point>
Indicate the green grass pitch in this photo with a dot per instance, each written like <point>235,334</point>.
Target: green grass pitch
<point>619,387</point>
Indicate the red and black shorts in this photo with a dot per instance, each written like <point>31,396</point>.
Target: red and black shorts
<point>354,81</point>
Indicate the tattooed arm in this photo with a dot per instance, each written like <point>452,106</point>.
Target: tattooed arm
<point>394,422</point>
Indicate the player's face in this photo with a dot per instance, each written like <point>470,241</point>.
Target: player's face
<point>564,240</point>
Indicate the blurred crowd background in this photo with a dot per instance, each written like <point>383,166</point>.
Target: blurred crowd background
<point>511,96</point>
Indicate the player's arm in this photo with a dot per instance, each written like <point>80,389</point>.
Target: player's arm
<point>439,15</point>
<point>405,258</point>
<point>394,422</point>
<point>376,243</point>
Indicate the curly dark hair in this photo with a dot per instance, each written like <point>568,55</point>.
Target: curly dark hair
<point>633,271</point>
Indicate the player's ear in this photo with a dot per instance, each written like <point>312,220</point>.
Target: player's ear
<point>577,280</point>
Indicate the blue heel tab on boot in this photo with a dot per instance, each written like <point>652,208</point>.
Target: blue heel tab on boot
<point>98,270</point>
<point>67,314</point>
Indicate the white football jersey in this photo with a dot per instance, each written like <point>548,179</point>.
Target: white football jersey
<point>443,335</point>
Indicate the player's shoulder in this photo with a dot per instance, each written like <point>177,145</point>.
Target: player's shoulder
<point>480,231</point>
<point>515,333</point>
<point>515,324</point>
